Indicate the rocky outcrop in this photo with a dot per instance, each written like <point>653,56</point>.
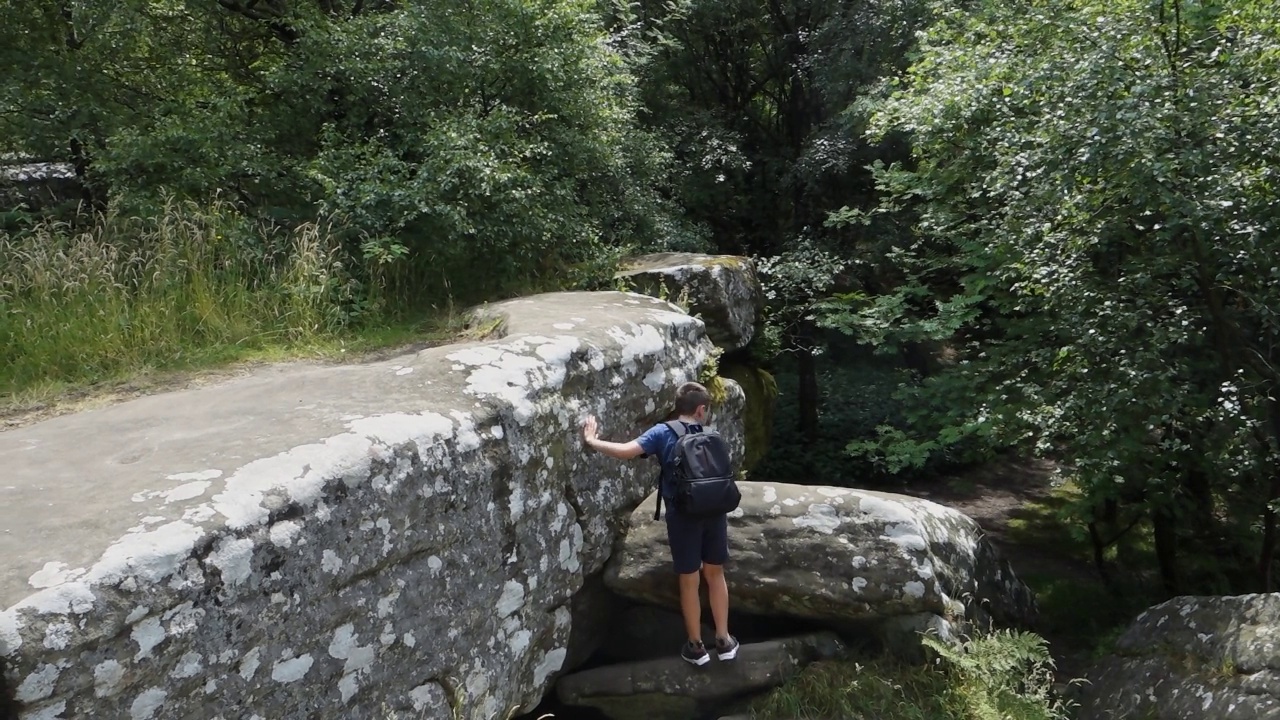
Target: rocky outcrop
<point>1193,658</point>
<point>838,555</point>
<point>724,291</point>
<point>761,393</point>
<point>670,689</point>
<point>402,538</point>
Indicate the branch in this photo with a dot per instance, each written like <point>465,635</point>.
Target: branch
<point>283,31</point>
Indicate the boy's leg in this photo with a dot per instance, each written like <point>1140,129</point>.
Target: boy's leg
<point>684,536</point>
<point>718,598</point>
<point>691,605</point>
<point>715,552</point>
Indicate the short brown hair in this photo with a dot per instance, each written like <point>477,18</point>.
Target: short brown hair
<point>690,397</point>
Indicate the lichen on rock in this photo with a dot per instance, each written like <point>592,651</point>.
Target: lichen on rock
<point>761,392</point>
<point>839,555</point>
<point>723,290</point>
<point>406,534</point>
<point>1193,658</point>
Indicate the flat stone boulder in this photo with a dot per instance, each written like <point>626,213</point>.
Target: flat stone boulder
<point>1193,658</point>
<point>400,538</point>
<point>724,290</point>
<point>836,554</point>
<point>671,689</point>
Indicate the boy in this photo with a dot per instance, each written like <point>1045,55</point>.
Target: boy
<point>696,544</point>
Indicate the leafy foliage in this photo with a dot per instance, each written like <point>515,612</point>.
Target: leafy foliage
<point>438,132</point>
<point>1094,191</point>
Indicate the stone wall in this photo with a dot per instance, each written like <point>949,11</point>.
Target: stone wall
<point>396,538</point>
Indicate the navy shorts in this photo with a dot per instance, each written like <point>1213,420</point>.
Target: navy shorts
<point>695,541</point>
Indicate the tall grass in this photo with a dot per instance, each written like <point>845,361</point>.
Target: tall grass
<point>190,286</point>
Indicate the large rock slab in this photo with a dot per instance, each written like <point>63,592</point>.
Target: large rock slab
<point>1193,658</point>
<point>836,554</point>
<point>387,539</point>
<point>670,689</point>
<point>724,290</point>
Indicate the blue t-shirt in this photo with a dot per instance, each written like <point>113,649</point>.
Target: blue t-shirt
<point>659,441</point>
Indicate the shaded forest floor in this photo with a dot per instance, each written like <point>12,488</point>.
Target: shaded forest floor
<point>1015,501</point>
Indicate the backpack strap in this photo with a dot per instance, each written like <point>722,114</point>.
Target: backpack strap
<point>680,429</point>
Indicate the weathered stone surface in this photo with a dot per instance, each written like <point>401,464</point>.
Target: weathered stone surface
<point>1193,658</point>
<point>761,392</point>
<point>389,539</point>
<point>723,290</point>
<point>836,554</point>
<point>671,689</point>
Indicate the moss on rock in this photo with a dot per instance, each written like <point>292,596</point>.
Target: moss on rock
<point>761,392</point>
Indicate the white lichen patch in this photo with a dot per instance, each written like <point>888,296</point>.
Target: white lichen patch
<point>147,634</point>
<point>428,697</point>
<point>821,517</point>
<point>53,573</point>
<point>147,704</point>
<point>284,532</point>
<point>512,598</point>
<point>250,663</point>
<point>196,476</point>
<point>10,638</point>
<point>550,662</point>
<point>388,603</point>
<point>234,557</point>
<point>188,491</point>
<point>106,678</point>
<point>39,684</point>
<point>149,556</point>
<point>291,670</point>
<point>189,665</point>
<point>914,588</point>
<point>330,562</point>
<point>906,536</point>
<point>57,635</point>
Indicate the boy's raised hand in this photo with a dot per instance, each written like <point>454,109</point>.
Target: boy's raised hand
<point>589,428</point>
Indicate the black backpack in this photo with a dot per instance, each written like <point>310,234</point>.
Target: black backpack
<point>702,473</point>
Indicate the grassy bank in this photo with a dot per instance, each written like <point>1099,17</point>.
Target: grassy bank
<point>118,300</point>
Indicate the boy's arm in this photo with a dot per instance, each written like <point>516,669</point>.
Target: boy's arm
<point>621,451</point>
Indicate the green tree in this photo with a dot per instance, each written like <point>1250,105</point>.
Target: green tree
<point>1094,191</point>
<point>762,105</point>
<point>441,133</point>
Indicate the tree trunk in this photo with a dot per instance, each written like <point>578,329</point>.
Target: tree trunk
<point>1267,558</point>
<point>1165,527</point>
<point>807,370</point>
<point>1099,550</point>
<point>80,161</point>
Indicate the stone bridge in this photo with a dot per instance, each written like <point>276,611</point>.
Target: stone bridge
<point>395,538</point>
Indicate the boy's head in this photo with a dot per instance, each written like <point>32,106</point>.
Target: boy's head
<point>692,400</point>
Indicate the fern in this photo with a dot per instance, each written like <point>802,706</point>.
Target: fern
<point>1002,675</point>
